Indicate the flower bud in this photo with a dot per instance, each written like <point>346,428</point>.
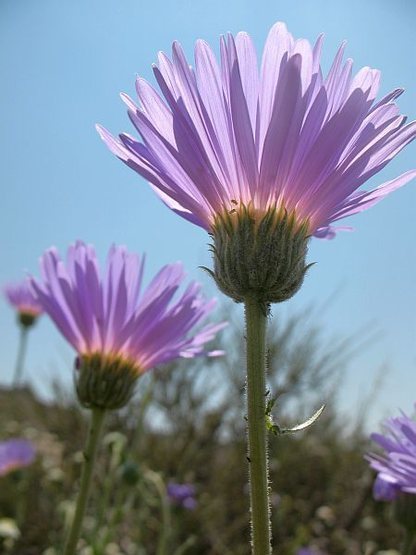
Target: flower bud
<point>130,473</point>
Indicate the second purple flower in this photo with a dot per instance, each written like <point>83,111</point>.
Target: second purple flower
<point>119,330</point>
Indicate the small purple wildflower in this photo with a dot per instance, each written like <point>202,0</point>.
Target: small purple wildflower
<point>14,454</point>
<point>384,490</point>
<point>396,467</point>
<point>106,314</point>
<point>309,551</point>
<point>182,495</point>
<point>28,309</point>
<point>22,299</point>
<point>283,136</point>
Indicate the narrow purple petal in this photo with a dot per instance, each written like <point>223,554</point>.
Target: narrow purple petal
<point>366,200</point>
<point>249,75</point>
<point>241,121</point>
<point>210,89</point>
<point>287,112</point>
<point>278,44</point>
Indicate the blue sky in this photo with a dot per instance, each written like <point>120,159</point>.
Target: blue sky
<point>63,65</point>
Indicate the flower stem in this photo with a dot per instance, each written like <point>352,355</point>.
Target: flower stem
<point>97,419</point>
<point>121,507</point>
<point>166,525</point>
<point>256,320</point>
<point>408,543</point>
<point>21,353</point>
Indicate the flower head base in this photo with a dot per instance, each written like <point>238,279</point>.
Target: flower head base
<point>22,299</point>
<point>396,467</point>
<point>105,382</point>
<point>261,256</point>
<point>118,332</point>
<point>15,454</point>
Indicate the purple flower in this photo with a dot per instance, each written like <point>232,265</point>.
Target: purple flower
<point>282,136</point>
<point>15,454</point>
<point>383,490</point>
<point>183,495</point>
<point>308,551</point>
<point>22,299</point>
<point>396,467</point>
<point>106,313</point>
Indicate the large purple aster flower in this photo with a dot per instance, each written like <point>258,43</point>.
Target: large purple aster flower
<point>22,299</point>
<point>282,136</point>
<point>14,454</point>
<point>116,329</point>
<point>396,467</point>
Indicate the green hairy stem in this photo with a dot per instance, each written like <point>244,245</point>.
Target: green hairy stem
<point>96,424</point>
<point>256,320</point>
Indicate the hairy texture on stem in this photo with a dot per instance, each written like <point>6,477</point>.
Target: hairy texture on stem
<point>96,424</point>
<point>257,436</point>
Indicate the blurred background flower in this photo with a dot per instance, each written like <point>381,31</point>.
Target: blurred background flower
<point>396,465</point>
<point>22,299</point>
<point>15,453</point>
<point>396,478</point>
<point>182,495</point>
<point>28,309</point>
<point>309,551</point>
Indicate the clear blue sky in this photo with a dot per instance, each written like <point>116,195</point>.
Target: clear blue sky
<point>63,65</point>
